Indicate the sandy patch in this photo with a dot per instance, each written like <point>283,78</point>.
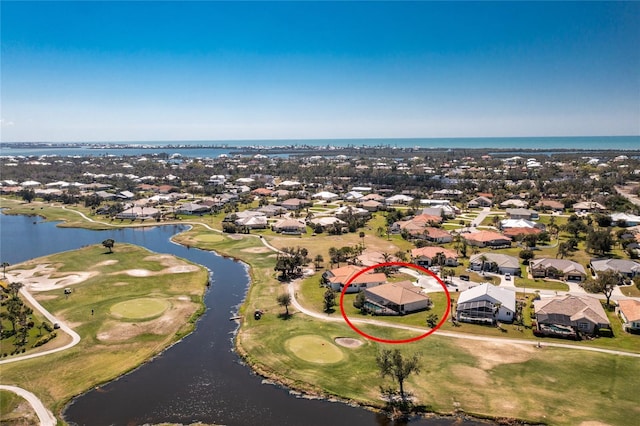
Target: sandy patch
<point>169,322</point>
<point>106,263</point>
<point>348,342</point>
<point>137,272</point>
<point>235,236</point>
<point>180,269</point>
<point>256,250</point>
<point>594,423</point>
<point>490,354</point>
<point>120,283</point>
<point>45,277</point>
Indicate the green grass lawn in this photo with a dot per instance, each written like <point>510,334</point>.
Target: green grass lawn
<point>630,290</point>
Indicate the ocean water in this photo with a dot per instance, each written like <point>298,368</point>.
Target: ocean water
<point>215,148</point>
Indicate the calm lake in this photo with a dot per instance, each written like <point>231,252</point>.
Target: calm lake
<point>199,379</point>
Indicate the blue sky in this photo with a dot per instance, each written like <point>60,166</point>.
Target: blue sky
<point>109,71</point>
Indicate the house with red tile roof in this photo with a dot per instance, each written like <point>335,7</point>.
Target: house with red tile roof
<point>629,311</point>
<point>487,239</point>
<point>337,278</point>
<point>427,256</point>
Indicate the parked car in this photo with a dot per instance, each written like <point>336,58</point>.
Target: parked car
<point>464,277</point>
<point>507,276</point>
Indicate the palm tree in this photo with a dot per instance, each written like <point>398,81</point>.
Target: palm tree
<point>362,238</point>
<point>318,261</point>
<point>4,268</point>
<point>483,259</point>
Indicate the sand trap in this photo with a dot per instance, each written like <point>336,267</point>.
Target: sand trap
<point>138,272</point>
<point>348,342</point>
<point>106,263</point>
<point>41,277</point>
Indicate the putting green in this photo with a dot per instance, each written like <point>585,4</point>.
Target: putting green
<point>140,309</point>
<point>315,349</point>
<point>209,238</point>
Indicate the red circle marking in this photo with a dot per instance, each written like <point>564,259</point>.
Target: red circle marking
<point>408,265</point>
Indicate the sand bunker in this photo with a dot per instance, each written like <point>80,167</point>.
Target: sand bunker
<point>41,277</point>
<point>348,342</point>
<point>106,263</point>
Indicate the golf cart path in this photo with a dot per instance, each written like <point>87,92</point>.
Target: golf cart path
<point>45,416</point>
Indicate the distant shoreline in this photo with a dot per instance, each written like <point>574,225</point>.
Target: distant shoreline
<point>592,145</point>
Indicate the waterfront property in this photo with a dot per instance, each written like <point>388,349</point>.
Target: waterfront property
<point>568,315</point>
<point>486,304</point>
<point>397,298</point>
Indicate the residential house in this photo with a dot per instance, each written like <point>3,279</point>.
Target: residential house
<point>397,298</point>
<point>432,255</point>
<point>520,232</point>
<point>517,223</point>
<point>588,206</point>
<point>371,205</point>
<point>325,195</point>
<point>294,204</point>
<point>513,203</point>
<point>289,227</point>
<point>625,218</point>
<point>139,213</point>
<point>371,257</point>
<point>526,214</point>
<point>562,269</point>
<point>193,209</point>
<point>480,202</point>
<point>437,235</point>
<point>325,222</point>
<point>550,204</point>
<point>337,278</point>
<point>629,311</point>
<point>399,199</point>
<point>448,193</point>
<point>495,262</point>
<point>486,303</point>
<point>627,268</point>
<point>270,210</point>
<point>262,192</point>
<point>487,239</point>
<point>568,315</point>
<point>253,222</point>
<point>353,196</point>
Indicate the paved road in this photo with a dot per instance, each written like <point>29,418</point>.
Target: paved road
<point>45,416</point>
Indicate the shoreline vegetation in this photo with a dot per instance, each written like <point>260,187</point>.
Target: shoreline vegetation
<point>478,380</point>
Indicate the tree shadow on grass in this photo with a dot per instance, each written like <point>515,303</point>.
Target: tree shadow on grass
<point>285,316</point>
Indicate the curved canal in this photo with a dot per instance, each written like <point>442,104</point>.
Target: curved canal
<point>199,379</point>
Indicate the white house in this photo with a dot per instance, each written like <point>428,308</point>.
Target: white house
<point>486,303</point>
